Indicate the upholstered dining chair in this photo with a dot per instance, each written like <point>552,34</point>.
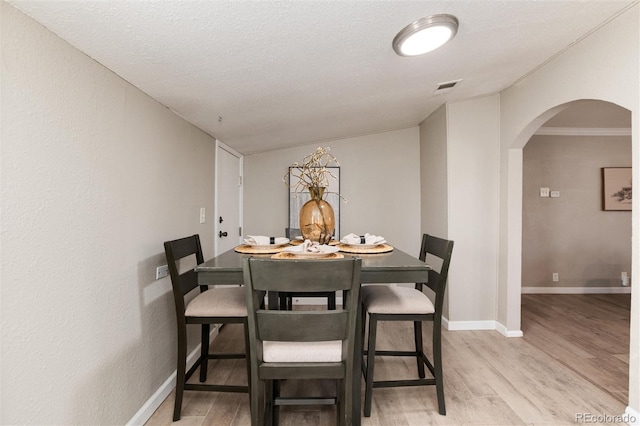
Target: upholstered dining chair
<point>286,299</point>
<point>311,344</point>
<point>209,306</point>
<point>396,303</point>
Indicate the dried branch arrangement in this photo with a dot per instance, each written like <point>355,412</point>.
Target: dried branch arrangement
<point>313,172</point>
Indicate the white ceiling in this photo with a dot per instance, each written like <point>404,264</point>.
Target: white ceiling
<point>285,73</point>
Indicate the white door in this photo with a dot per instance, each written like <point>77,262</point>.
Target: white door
<point>228,209</point>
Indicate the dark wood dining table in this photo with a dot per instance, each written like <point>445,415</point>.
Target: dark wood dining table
<point>392,267</point>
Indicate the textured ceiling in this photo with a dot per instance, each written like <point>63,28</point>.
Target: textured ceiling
<point>285,73</point>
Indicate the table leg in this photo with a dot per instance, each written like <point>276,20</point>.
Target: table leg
<point>274,300</point>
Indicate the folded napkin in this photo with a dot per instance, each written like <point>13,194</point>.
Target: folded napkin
<point>264,241</point>
<point>310,247</point>
<point>367,238</point>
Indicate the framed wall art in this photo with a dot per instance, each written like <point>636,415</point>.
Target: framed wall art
<point>616,188</point>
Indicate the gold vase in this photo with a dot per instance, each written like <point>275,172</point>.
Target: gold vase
<point>317,221</point>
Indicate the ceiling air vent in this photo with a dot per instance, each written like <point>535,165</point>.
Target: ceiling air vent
<point>445,87</point>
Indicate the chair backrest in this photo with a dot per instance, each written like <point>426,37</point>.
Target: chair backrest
<point>441,249</point>
<point>183,283</point>
<point>264,275</point>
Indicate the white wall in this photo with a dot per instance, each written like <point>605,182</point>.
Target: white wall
<point>434,181</point>
<point>603,66</point>
<point>95,176</point>
<point>380,178</point>
<point>459,177</point>
<point>473,135</point>
<point>433,174</point>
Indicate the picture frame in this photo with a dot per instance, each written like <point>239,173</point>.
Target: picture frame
<point>332,196</point>
<point>616,188</point>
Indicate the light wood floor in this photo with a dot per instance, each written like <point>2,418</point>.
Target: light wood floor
<point>573,359</point>
<point>588,334</point>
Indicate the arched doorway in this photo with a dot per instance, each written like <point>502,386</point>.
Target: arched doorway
<point>574,307</point>
<point>566,232</point>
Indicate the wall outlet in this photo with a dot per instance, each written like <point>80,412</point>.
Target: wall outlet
<point>544,192</point>
<point>624,278</point>
<point>162,271</point>
<point>555,194</point>
<point>555,277</point>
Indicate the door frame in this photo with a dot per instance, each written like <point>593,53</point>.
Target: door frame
<point>221,146</point>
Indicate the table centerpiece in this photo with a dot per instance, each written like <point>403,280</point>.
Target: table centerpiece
<point>317,219</point>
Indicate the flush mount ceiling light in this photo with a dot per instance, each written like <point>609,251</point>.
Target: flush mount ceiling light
<point>425,35</point>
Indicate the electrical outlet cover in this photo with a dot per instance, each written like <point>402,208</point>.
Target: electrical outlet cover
<point>162,271</point>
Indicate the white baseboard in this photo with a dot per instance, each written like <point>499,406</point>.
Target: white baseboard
<point>469,325</point>
<point>480,325</point>
<point>632,417</point>
<point>507,333</point>
<point>146,411</point>
<point>576,290</point>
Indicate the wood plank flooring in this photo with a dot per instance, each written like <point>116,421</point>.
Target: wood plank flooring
<point>573,359</point>
<point>588,333</point>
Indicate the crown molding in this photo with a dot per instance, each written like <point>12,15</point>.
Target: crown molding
<point>583,131</point>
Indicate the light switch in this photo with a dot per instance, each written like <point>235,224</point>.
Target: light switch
<point>544,192</point>
<point>202,214</point>
<point>555,194</point>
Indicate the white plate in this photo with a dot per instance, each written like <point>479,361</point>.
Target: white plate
<point>268,246</point>
<point>364,246</point>
<point>324,251</point>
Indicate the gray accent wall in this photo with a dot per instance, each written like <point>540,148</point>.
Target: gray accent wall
<point>571,235</point>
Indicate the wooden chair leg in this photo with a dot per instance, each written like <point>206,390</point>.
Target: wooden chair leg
<point>340,407</point>
<point>180,375</point>
<point>346,399</point>
<point>417,335</point>
<point>245,327</point>
<point>371,355</point>
<point>363,328</point>
<point>275,409</point>
<point>257,401</point>
<point>204,351</point>
<point>437,367</point>
<point>363,325</point>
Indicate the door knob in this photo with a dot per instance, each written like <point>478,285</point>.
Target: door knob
<point>222,234</point>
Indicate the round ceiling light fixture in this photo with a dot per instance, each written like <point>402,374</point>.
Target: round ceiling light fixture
<point>425,35</point>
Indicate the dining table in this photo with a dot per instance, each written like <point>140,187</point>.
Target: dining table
<point>394,266</point>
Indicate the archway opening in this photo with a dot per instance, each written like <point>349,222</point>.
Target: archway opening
<point>575,304</point>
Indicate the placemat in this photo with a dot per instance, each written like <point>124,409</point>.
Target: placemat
<point>289,255</point>
<point>296,242</point>
<point>245,249</point>
<point>380,248</point>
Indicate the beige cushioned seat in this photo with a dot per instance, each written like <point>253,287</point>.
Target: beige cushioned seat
<point>218,302</point>
<point>329,351</point>
<point>387,299</point>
